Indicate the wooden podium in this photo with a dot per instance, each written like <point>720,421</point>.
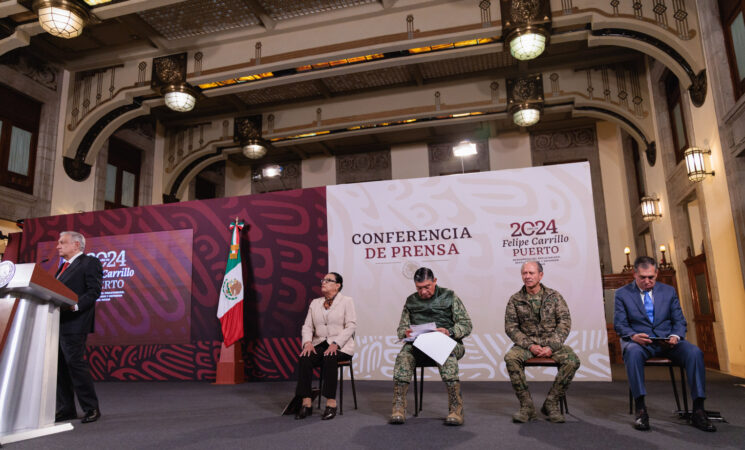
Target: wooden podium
<point>29,340</point>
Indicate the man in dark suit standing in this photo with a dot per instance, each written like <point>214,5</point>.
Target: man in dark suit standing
<point>650,322</point>
<point>82,274</point>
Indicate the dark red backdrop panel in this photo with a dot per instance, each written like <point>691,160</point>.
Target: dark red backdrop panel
<point>284,251</point>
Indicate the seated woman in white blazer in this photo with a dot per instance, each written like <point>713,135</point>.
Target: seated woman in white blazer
<point>327,338</point>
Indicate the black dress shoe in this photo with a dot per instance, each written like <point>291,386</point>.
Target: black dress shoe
<point>303,412</point>
<point>701,421</point>
<point>329,413</point>
<point>91,416</point>
<point>61,416</point>
<point>642,420</point>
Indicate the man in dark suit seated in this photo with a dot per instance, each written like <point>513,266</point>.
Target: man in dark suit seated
<point>650,322</point>
<point>82,274</point>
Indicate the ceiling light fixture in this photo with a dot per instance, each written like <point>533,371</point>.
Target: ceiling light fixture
<point>527,43</point>
<point>253,150</point>
<point>525,115</point>
<point>526,27</point>
<point>180,97</point>
<point>247,133</point>
<point>61,18</point>
<point>525,99</point>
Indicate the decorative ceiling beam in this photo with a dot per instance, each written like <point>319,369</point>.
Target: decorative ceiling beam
<point>416,74</point>
<point>261,13</point>
<point>323,88</point>
<point>295,149</point>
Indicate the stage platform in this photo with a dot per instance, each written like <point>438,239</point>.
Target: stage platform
<point>188,415</point>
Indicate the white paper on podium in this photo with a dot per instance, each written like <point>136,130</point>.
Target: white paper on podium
<point>435,345</point>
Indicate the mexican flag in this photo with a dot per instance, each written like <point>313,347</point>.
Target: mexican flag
<point>230,307</point>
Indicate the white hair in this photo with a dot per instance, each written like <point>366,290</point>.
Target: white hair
<point>75,237</point>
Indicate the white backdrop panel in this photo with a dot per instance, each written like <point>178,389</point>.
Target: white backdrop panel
<point>474,231</point>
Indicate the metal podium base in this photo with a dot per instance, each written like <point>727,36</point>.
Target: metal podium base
<point>38,432</point>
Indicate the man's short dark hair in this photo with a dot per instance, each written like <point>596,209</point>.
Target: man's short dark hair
<point>644,262</point>
<point>423,274</point>
<point>338,279</point>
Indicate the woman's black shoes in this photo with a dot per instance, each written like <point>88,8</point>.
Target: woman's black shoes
<point>329,413</point>
<point>303,412</point>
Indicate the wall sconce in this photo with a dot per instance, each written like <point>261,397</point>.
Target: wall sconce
<point>650,208</point>
<point>525,99</point>
<point>169,78</point>
<point>696,163</point>
<point>628,267</point>
<point>664,265</point>
<point>61,18</point>
<point>247,131</point>
<point>527,27</point>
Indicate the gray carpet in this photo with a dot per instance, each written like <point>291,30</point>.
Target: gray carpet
<point>187,415</point>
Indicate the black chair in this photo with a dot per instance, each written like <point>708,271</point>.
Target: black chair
<point>548,362</point>
<point>341,365</point>
<point>422,361</point>
<point>666,362</point>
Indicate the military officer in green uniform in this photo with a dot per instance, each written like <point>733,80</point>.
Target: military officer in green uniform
<point>431,303</point>
<point>538,322</point>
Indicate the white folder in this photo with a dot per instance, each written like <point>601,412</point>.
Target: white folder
<point>435,345</point>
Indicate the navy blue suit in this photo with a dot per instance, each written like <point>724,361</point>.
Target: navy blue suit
<point>630,318</point>
<point>83,277</point>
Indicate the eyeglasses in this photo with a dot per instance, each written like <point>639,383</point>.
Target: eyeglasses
<point>327,280</point>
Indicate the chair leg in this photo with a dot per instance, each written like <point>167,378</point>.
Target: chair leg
<point>684,388</point>
<point>416,395</point>
<point>675,388</point>
<point>563,406</point>
<point>341,390</point>
<point>351,376</point>
<point>320,385</point>
<point>421,387</point>
<point>631,402</point>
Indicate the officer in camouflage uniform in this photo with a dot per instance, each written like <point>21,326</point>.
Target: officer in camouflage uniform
<point>538,322</point>
<point>431,303</point>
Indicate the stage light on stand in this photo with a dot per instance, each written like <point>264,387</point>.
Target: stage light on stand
<point>464,148</point>
<point>271,171</point>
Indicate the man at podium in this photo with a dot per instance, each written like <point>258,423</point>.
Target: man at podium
<point>82,274</point>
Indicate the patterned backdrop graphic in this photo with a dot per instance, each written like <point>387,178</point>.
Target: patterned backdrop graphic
<point>146,294</point>
<point>284,248</point>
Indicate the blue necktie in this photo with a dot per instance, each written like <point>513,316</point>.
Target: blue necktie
<point>649,306</point>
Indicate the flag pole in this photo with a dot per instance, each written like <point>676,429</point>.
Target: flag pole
<point>230,367</point>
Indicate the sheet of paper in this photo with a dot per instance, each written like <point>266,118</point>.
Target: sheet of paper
<point>435,345</point>
<point>416,330</point>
